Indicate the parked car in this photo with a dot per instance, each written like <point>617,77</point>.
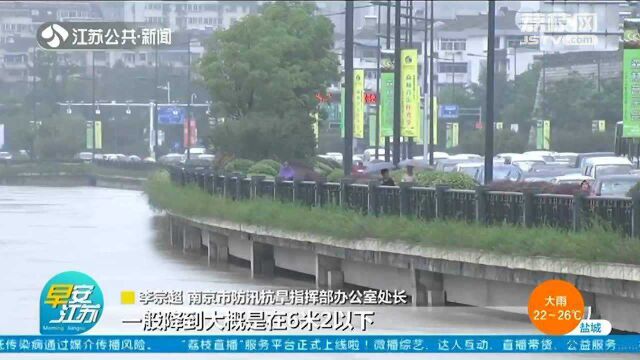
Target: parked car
<point>149,159</point>
<point>83,156</point>
<point>170,159</point>
<point>4,155</point>
<point>449,165</point>
<point>600,166</point>
<point>501,173</point>
<point>469,168</point>
<point>133,158</point>
<point>580,158</point>
<point>370,154</point>
<point>614,185</point>
<point>546,155</point>
<point>565,157</point>
<point>575,179</point>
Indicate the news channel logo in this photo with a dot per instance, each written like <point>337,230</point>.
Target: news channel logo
<point>70,303</point>
<point>100,36</point>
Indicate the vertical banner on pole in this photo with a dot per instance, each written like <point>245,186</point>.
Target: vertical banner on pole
<point>408,100</point>
<point>448,135</point>
<point>546,132</point>
<point>89,138</point>
<point>316,129</point>
<point>358,103</point>
<point>455,129</point>
<point>342,111</point>
<point>1,136</point>
<point>435,120</point>
<point>499,125</point>
<point>98,134</point>
<point>631,81</point>
<point>539,135</point>
<point>386,104</point>
<point>372,129</point>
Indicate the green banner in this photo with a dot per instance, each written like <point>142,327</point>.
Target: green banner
<point>408,101</point>
<point>89,134</point>
<point>631,81</point>
<point>543,134</point>
<point>98,126</point>
<point>386,104</point>
<point>452,135</point>
<point>456,134</point>
<point>358,103</point>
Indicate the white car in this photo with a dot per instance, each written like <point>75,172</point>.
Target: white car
<point>464,157</point>
<point>335,156</point>
<point>608,165</point>
<point>4,155</point>
<point>149,159</point>
<point>571,179</point>
<point>133,158</point>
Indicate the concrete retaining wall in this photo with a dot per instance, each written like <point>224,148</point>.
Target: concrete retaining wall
<point>430,275</point>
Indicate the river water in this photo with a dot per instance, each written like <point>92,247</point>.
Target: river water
<point>115,237</point>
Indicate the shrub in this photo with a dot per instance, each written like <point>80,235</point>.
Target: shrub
<point>271,163</point>
<point>328,162</point>
<point>634,190</point>
<point>335,175</point>
<point>261,168</point>
<point>453,179</point>
<point>238,165</point>
<point>322,168</point>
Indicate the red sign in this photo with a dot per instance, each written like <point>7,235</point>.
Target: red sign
<point>190,134</point>
<point>370,97</point>
<point>323,97</point>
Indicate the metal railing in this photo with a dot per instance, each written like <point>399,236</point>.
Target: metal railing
<point>569,212</point>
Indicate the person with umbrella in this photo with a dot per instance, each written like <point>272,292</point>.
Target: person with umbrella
<point>286,171</point>
<point>408,176</point>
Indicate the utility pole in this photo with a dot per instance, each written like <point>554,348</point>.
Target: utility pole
<point>425,83</point>
<point>488,145</point>
<point>190,95</point>
<point>431,99</point>
<point>387,143</point>
<point>33,80</point>
<point>377,141</point>
<point>155,107</point>
<point>396,86</point>
<point>347,158</point>
<point>93,101</point>
<point>410,45</point>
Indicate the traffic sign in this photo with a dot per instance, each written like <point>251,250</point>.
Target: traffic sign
<point>170,115</point>
<point>449,111</point>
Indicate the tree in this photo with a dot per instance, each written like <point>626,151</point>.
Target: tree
<point>60,137</point>
<point>267,68</point>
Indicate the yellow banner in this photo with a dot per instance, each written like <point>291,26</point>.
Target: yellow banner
<point>358,103</point>
<point>409,102</point>
<point>98,134</point>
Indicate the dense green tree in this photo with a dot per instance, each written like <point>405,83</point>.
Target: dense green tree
<point>59,138</point>
<point>267,68</point>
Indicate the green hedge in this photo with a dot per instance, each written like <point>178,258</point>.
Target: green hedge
<point>238,165</point>
<point>261,168</point>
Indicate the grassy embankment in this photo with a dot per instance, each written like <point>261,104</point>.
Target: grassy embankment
<point>597,244</point>
<point>44,168</point>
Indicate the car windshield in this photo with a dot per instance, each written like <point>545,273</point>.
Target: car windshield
<point>500,173</point>
<point>618,187</point>
<point>471,171</point>
<point>613,169</point>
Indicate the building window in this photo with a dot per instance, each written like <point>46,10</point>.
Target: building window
<point>453,44</point>
<point>449,67</point>
<point>142,57</point>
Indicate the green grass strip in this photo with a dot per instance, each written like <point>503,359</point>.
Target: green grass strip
<point>599,243</point>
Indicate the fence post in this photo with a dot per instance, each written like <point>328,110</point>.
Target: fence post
<point>405,187</point>
<point>295,190</point>
<point>276,187</point>
<point>481,205</point>
<point>237,189</point>
<point>579,201</point>
<point>344,187</point>
<point>255,186</point>
<point>528,207</point>
<point>317,195</point>
<point>372,197</point>
<point>182,177</point>
<point>635,215</point>
<point>226,186</point>
<point>441,204</point>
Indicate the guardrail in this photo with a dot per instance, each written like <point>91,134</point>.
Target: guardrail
<point>568,212</point>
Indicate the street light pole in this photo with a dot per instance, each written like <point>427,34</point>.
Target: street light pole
<point>396,86</point>
<point>387,145</point>
<point>347,157</point>
<point>93,100</point>
<point>190,97</point>
<point>431,98</point>
<point>410,45</point>
<point>488,145</point>
<point>377,134</point>
<point>155,107</point>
